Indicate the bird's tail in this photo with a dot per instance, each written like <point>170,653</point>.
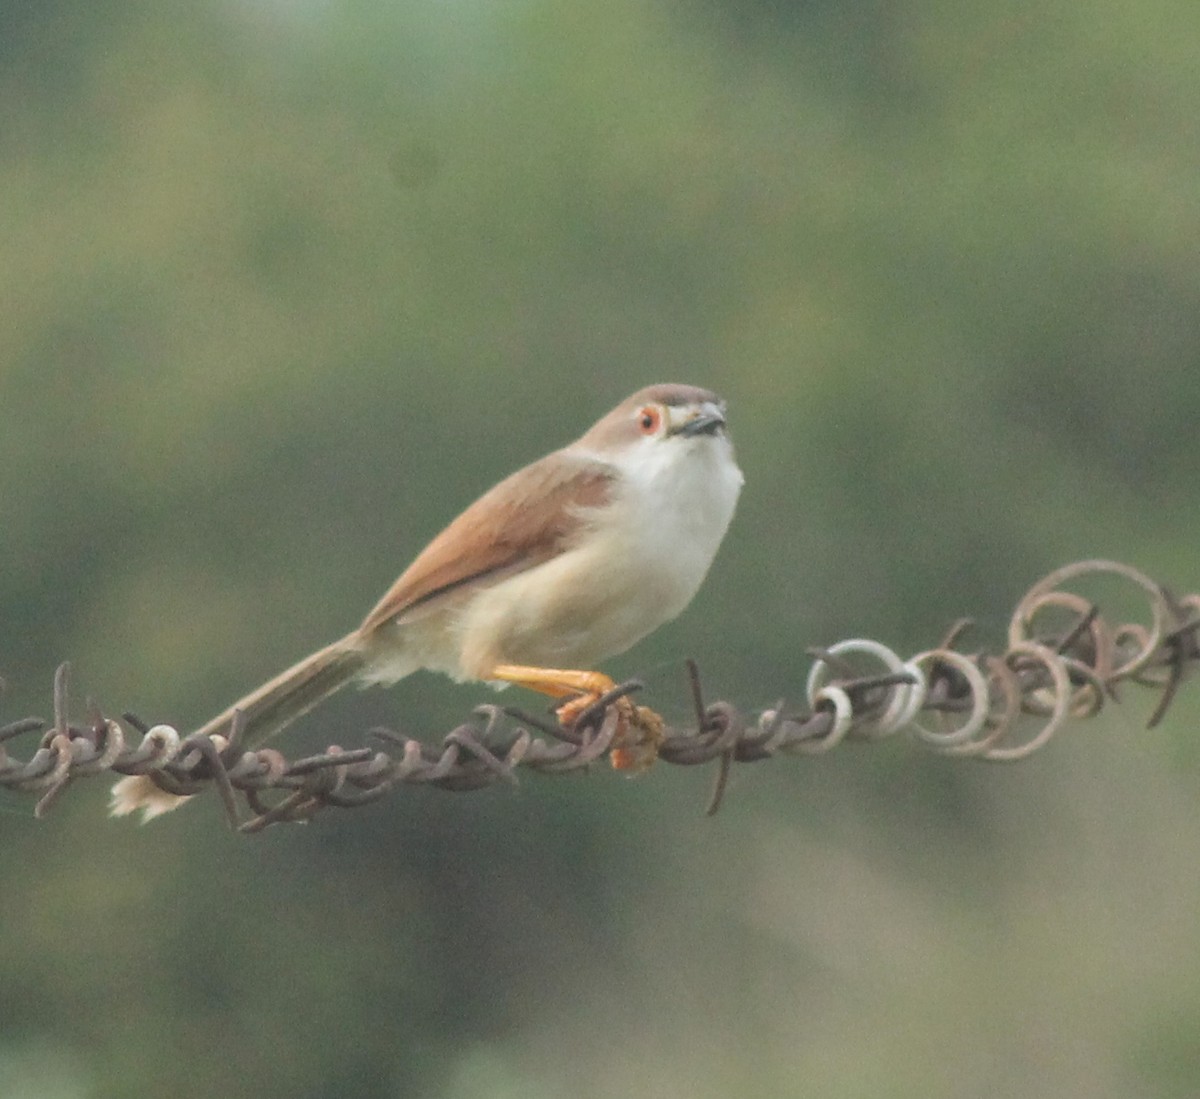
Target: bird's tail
<point>264,712</point>
<point>291,694</point>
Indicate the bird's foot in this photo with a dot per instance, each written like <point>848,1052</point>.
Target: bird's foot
<point>639,732</point>
<point>638,739</point>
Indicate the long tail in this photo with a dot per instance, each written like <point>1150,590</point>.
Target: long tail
<point>291,694</point>
<point>264,712</point>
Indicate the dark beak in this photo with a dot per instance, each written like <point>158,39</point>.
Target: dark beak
<point>704,423</point>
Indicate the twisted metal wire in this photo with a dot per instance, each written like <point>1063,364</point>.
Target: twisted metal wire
<point>1063,660</point>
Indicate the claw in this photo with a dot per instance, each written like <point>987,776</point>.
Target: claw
<point>638,740</point>
<point>640,730</point>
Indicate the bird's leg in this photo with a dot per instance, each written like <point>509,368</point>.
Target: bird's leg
<point>640,729</point>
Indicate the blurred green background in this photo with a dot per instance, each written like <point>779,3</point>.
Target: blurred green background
<point>285,285</point>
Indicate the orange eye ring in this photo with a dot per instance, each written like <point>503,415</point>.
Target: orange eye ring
<point>649,419</point>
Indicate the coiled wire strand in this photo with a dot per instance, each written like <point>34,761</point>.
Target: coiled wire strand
<point>1062,661</point>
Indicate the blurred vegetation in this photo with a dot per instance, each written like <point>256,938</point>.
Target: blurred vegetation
<point>283,286</point>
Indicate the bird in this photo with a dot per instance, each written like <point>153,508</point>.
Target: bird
<point>559,566</point>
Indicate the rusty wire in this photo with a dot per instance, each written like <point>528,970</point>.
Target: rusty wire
<point>1063,660</point>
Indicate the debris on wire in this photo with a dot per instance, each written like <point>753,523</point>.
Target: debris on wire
<point>1063,659</point>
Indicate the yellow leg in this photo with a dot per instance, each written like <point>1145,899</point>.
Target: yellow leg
<point>639,732</point>
<point>555,682</point>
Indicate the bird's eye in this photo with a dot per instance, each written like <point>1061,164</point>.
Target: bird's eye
<point>649,420</point>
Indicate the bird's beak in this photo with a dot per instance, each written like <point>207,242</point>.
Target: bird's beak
<point>705,422</point>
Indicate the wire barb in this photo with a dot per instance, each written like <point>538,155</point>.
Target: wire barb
<point>1063,660</point>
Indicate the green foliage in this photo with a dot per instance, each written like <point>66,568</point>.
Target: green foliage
<point>283,286</point>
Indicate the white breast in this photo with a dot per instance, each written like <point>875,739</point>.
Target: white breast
<point>640,564</point>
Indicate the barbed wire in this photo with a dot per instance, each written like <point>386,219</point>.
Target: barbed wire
<point>1063,659</point>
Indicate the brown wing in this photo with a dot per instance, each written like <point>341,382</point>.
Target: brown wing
<point>524,520</point>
